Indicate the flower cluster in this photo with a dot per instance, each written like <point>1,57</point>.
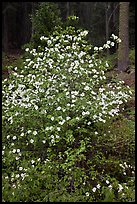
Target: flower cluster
<point>110,43</point>
<point>72,77</point>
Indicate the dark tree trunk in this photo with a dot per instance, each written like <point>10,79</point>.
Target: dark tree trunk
<point>5,32</point>
<point>68,9</point>
<point>123,50</point>
<point>107,19</point>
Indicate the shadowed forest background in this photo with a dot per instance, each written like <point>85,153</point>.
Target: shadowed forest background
<point>100,18</point>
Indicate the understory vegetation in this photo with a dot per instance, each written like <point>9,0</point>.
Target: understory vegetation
<point>65,134</point>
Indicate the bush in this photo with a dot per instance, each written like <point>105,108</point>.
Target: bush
<point>54,115</point>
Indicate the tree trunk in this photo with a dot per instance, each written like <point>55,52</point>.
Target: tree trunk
<point>123,49</point>
<point>68,9</point>
<point>107,22</point>
<point>32,12</point>
<point>5,33</point>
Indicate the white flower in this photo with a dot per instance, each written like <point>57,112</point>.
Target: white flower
<point>100,48</point>
<point>17,176</point>
<point>52,118</point>
<point>22,174</point>
<point>27,49</point>
<point>112,44</point>
<point>67,118</point>
<point>114,37</point>
<point>94,189</point>
<point>121,165</point>
<point>58,128</point>
<point>119,40</point>
<point>106,46</point>
<point>32,161</point>
<point>42,37</point>
<point>107,182</point>
<point>95,76</point>
<point>89,123</point>
<point>29,131</point>
<point>14,150</point>
<point>82,94</point>
<point>108,42</point>
<point>47,128</point>
<point>22,134</point>
<point>84,33</point>
<point>43,141</point>
<point>58,108</point>
<point>95,116</point>
<point>96,133</point>
<point>27,60</point>
<point>31,141</point>
<point>49,42</point>
<point>57,136</point>
<point>87,193</point>
<point>87,112</point>
<point>14,137</point>
<point>83,113</point>
<point>98,186</point>
<point>35,132</point>
<point>93,93</point>
<point>36,107</point>
<point>20,168</point>
<point>70,69</point>
<point>91,65</point>
<point>86,88</point>
<point>110,187</point>
<point>125,164</point>
<point>62,122</point>
<point>18,150</point>
<point>67,93</point>
<point>95,48</point>
<point>107,65</point>
<point>120,187</point>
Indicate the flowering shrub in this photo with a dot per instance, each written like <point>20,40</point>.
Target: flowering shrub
<point>52,111</point>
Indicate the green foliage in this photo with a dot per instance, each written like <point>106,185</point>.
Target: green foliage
<point>44,21</point>
<point>58,111</point>
<point>72,21</point>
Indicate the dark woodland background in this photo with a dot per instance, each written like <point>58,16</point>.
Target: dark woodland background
<point>100,18</point>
